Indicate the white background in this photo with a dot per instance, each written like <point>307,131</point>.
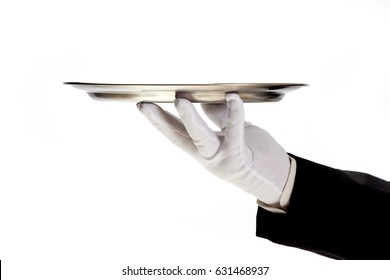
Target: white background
<point>87,188</point>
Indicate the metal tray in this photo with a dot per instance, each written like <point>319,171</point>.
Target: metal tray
<point>200,93</point>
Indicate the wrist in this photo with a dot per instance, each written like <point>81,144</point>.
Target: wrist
<point>282,205</point>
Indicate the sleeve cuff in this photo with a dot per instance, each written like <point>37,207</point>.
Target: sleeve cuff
<point>286,194</point>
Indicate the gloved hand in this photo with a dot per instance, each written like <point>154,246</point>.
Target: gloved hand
<point>241,153</point>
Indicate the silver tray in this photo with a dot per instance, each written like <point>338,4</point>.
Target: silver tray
<point>200,93</point>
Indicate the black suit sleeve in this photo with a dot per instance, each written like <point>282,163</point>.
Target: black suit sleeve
<point>339,214</point>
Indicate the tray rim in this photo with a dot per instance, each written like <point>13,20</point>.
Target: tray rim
<point>187,84</point>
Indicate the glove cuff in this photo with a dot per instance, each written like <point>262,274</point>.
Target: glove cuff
<point>286,193</point>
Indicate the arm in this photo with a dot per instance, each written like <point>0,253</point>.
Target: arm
<point>339,214</point>
<point>335,213</point>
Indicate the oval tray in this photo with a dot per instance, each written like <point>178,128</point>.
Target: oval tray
<point>199,93</point>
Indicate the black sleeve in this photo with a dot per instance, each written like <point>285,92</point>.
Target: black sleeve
<point>339,214</point>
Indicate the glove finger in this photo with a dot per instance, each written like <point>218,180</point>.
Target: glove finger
<point>217,113</point>
<point>169,125</point>
<point>235,127</point>
<point>203,137</point>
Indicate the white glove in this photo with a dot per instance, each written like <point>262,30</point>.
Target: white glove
<point>241,153</point>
